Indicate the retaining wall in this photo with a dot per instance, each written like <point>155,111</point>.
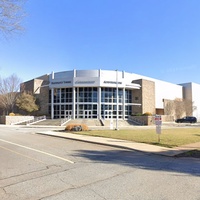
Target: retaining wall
<point>150,120</point>
<point>9,120</point>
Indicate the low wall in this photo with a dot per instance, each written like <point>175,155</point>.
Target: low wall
<point>143,120</point>
<point>150,120</point>
<point>9,120</point>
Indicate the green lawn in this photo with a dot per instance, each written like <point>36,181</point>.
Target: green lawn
<point>172,137</point>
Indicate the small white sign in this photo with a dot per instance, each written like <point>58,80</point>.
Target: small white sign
<point>111,124</point>
<point>158,122</point>
<point>158,129</point>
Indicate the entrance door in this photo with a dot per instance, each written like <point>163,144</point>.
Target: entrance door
<point>68,113</point>
<point>87,114</point>
<point>108,114</point>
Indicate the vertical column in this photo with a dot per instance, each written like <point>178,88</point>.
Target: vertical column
<point>74,103</point>
<point>117,96</point>
<point>77,102</point>
<point>60,103</point>
<point>52,103</point>
<point>99,102</point>
<point>123,103</point>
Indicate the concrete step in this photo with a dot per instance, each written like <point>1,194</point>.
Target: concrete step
<point>120,122</point>
<point>49,122</point>
<point>88,122</point>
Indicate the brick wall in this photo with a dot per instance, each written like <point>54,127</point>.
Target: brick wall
<point>145,96</point>
<point>39,87</point>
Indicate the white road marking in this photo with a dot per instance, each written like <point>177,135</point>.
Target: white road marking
<point>58,157</point>
<point>22,155</point>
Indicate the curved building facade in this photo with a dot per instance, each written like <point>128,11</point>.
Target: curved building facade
<point>106,94</point>
<point>91,94</point>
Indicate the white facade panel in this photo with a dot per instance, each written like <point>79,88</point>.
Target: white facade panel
<point>63,75</point>
<point>112,78</point>
<point>163,90</point>
<point>87,73</point>
<point>86,81</point>
<point>196,100</point>
<point>91,78</point>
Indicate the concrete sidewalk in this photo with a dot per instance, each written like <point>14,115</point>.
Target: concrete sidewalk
<point>147,148</point>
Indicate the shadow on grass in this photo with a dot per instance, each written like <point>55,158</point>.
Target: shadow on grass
<point>143,160</point>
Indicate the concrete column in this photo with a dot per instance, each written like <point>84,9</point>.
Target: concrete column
<point>123,103</point>
<point>117,96</point>
<point>99,102</point>
<point>74,103</point>
<point>52,103</point>
<point>60,103</point>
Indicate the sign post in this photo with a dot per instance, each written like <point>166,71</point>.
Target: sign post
<point>111,123</point>
<point>158,122</point>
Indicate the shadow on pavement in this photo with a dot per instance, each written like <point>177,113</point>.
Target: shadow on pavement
<point>144,161</point>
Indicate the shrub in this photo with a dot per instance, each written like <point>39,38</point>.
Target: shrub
<point>11,114</point>
<point>71,127</point>
<point>147,114</point>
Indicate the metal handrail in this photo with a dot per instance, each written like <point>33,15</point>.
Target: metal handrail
<point>36,119</point>
<point>137,121</point>
<point>65,120</point>
<point>101,121</point>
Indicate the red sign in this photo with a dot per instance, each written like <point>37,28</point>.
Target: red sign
<point>158,120</point>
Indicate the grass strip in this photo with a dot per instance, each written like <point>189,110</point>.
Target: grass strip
<point>170,138</point>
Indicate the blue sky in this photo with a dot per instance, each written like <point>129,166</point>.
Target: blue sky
<point>155,38</point>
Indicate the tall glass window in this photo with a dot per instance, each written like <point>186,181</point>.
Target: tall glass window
<point>109,102</point>
<point>128,96</point>
<point>86,102</point>
<point>87,94</point>
<point>62,102</point>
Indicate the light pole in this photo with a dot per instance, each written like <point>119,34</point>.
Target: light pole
<point>117,99</point>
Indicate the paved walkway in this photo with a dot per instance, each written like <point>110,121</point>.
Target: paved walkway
<point>124,144</point>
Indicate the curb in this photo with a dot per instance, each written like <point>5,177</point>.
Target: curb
<point>163,150</point>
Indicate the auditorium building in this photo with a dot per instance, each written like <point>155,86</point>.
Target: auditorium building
<point>106,94</point>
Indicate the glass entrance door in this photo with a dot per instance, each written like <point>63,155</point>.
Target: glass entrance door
<point>108,114</point>
<point>87,114</point>
<point>68,113</point>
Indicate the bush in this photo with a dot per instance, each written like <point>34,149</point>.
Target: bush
<point>11,114</point>
<point>147,114</point>
<point>76,127</point>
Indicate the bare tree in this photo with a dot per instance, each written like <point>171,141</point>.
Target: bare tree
<point>169,107</point>
<point>179,107</point>
<point>11,15</point>
<point>9,88</point>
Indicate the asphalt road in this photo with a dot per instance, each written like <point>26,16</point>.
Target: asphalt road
<point>41,167</point>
